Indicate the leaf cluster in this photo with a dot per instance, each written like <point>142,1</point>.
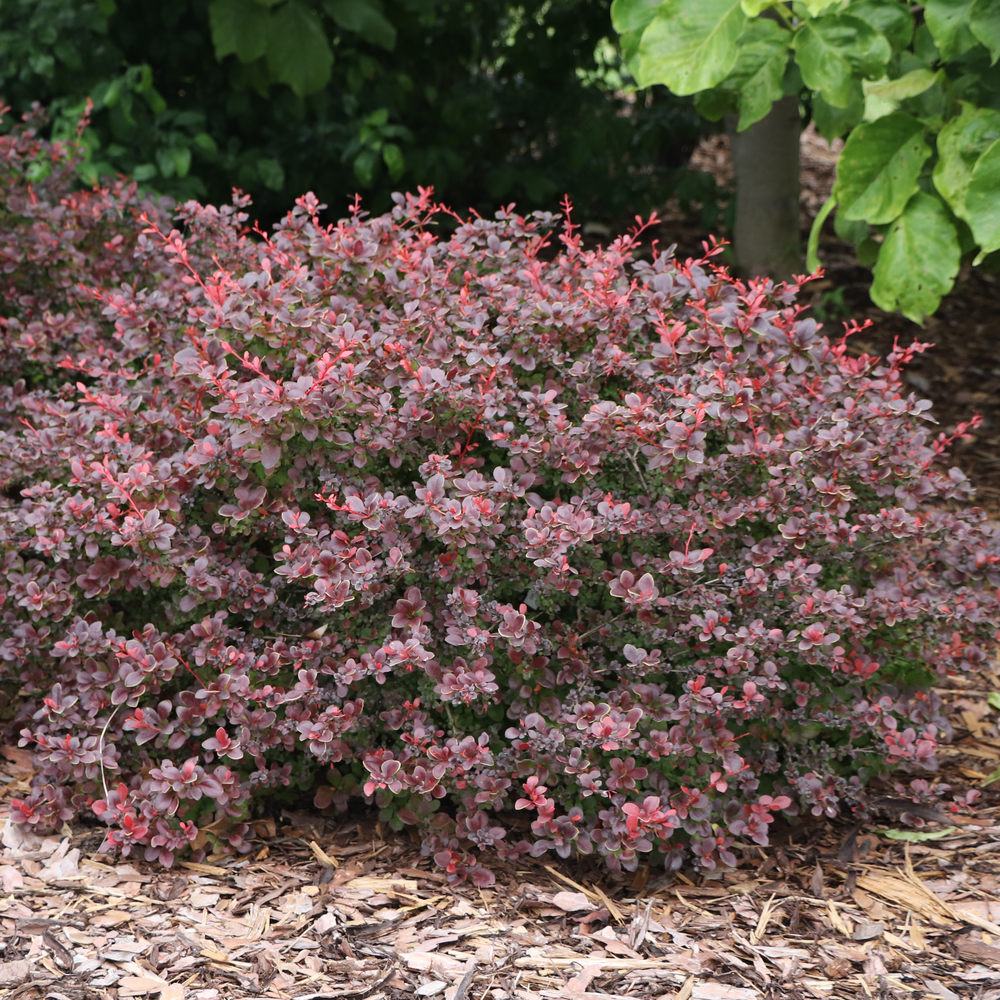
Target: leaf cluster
<point>914,87</point>
<point>485,102</point>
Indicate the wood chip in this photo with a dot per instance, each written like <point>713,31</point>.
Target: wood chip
<point>322,857</point>
<point>573,902</point>
<point>14,973</point>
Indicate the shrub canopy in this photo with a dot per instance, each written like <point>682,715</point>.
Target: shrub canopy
<point>467,525</point>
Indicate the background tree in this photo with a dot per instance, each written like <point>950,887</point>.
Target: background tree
<point>914,87</point>
<point>489,102</point>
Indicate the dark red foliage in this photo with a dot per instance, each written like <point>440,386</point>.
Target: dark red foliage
<point>457,525</point>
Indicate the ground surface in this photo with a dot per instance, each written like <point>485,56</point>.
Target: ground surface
<point>324,909</point>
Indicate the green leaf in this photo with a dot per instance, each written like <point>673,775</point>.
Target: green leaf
<point>633,15</point>
<point>832,49</point>
<point>948,21</point>
<point>206,142</point>
<point>165,161</point>
<point>982,200</point>
<point>144,172</point>
<point>691,44</point>
<point>392,157</point>
<point>364,165</point>
<point>909,85</point>
<point>139,78</point>
<point>754,8</point>
<point>155,100</point>
<point>818,6</point>
<point>106,95</point>
<point>919,836</point>
<point>240,28</point>
<point>189,119</point>
<point>923,46</point>
<point>834,122</point>
<point>792,84</point>
<point>364,17</point>
<point>759,73</point>
<point>629,43</point>
<point>887,16</point>
<point>993,700</point>
<point>272,174</point>
<point>850,230</point>
<point>68,53</point>
<point>879,166</point>
<point>985,25</point>
<point>918,260</point>
<point>298,53</point>
<point>867,251</point>
<point>715,104</point>
<point>882,97</point>
<point>182,160</point>
<point>92,171</point>
<point>960,144</point>
<point>995,776</point>
<point>36,171</point>
<point>812,250</point>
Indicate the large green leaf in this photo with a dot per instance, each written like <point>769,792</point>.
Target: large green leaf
<point>830,50</point>
<point>633,15</point>
<point>918,260</point>
<point>758,75</point>
<point>629,43</point>
<point>298,53</point>
<point>835,122</point>
<point>716,103</point>
<point>908,85</point>
<point>985,25</point>
<point>982,201</point>
<point>364,17</point>
<point>393,158</point>
<point>889,17</point>
<point>691,44</point>
<point>850,230</point>
<point>878,169</point>
<point>240,28</point>
<point>882,97</point>
<point>960,144</point>
<point>948,21</point>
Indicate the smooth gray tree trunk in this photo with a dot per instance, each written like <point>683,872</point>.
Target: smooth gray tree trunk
<point>766,237</point>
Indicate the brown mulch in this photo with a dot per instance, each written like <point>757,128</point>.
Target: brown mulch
<point>327,909</point>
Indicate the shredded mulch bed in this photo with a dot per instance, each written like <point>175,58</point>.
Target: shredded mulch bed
<point>344,908</point>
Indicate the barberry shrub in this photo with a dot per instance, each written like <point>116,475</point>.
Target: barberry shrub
<point>536,547</point>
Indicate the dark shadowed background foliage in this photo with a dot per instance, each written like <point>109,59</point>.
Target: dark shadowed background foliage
<point>488,101</point>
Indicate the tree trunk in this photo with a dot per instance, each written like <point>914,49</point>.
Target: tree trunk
<point>766,238</point>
